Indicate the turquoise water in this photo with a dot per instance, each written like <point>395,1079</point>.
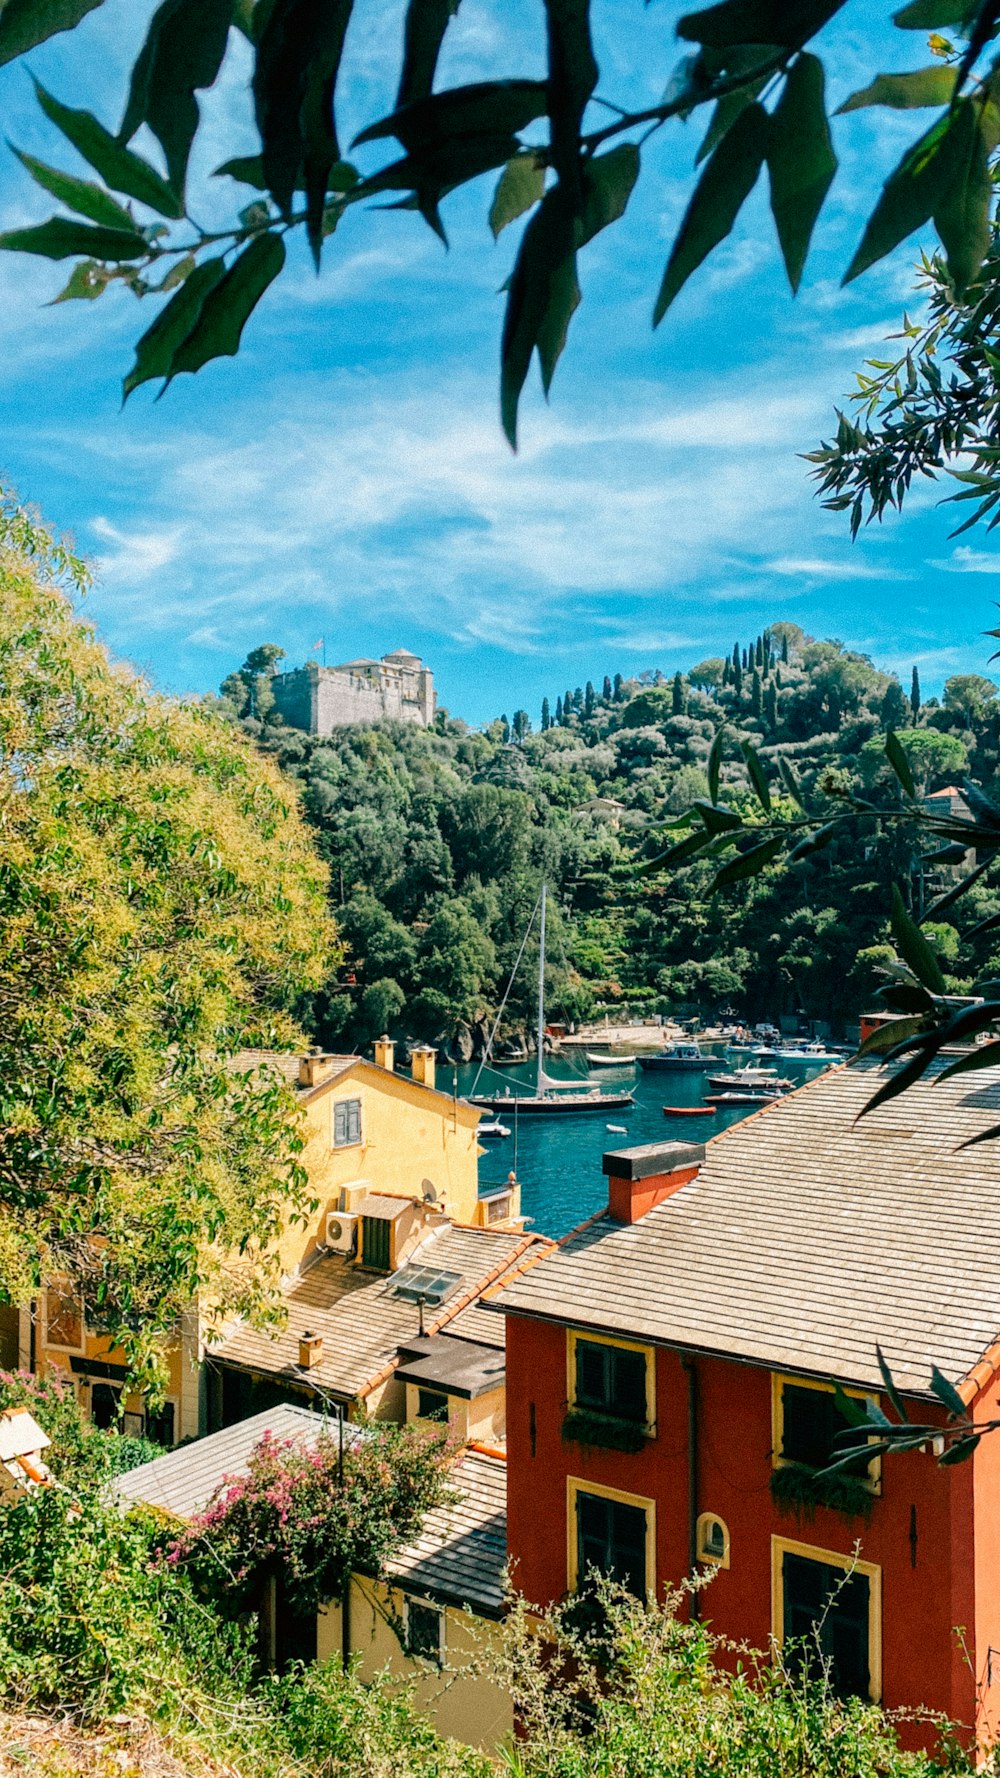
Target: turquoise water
<point>558,1159</point>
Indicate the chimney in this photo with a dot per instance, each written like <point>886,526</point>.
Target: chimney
<point>423,1064</point>
<point>639,1178</point>
<point>313,1067</point>
<point>385,1053</point>
<point>310,1350</point>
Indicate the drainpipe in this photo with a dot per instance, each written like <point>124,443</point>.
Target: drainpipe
<point>692,1388</point>
<point>345,1598</point>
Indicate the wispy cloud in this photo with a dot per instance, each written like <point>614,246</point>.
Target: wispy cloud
<point>965,560</point>
<point>816,568</point>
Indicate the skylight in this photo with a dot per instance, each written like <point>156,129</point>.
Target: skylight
<point>425,1284</point>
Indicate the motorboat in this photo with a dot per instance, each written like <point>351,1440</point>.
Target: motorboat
<point>492,1130</point>
<point>799,1052</point>
<point>596,1061</point>
<point>749,1079</point>
<point>743,1096</point>
<point>676,1058</point>
<point>550,1097</point>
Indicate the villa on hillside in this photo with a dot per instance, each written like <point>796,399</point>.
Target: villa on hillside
<point>398,688</point>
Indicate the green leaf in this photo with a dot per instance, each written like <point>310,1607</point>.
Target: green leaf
<point>905,92</point>
<point>294,82</point>
<point>546,245</point>
<point>885,1037</point>
<point>521,186</point>
<point>26,23</point>
<point>962,213</point>
<point>80,195</point>
<point>488,107</point>
<point>755,772</point>
<point>59,238</point>
<point>985,1055</point>
<point>904,1078</point>
<point>727,181</point>
<point>814,842</point>
<point>911,195</point>
<point>716,818</point>
<point>960,1450</point>
<point>423,35</point>
<point>727,110</point>
<point>572,78</point>
<point>930,15</point>
<point>800,161</point>
<point>119,167</point>
<point>890,1385</point>
<point>154,353</point>
<point>948,1394</point>
<point>913,946</point>
<point>715,764</point>
<point>87,281</point>
<point>736,22</point>
<point>748,864</point>
<point>564,299</point>
<point>790,781</point>
<point>895,753</point>
<point>608,180</point>
<point>432,172</point>
<point>855,1412</point>
<point>183,53</point>
<point>218,328</point>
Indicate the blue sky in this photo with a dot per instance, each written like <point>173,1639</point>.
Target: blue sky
<point>346,477</point>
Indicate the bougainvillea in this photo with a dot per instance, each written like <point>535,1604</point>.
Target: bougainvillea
<point>314,1514</point>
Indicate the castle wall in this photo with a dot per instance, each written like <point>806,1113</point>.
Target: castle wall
<point>321,699</point>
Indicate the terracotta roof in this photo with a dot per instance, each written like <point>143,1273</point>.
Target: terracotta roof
<point>807,1237</point>
<point>460,1556</point>
<point>287,1065</point>
<point>362,1322</point>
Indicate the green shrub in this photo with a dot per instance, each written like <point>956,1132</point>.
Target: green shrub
<point>797,1487</point>
<point>80,1453</point>
<point>583,1427</point>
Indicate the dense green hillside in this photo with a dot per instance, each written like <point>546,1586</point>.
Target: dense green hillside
<point>438,840</point>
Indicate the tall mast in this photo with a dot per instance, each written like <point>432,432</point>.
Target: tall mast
<point>541,998</point>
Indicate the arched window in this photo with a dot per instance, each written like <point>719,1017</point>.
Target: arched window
<point>713,1540</point>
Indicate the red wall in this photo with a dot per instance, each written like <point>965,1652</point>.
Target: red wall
<point>922,1663</point>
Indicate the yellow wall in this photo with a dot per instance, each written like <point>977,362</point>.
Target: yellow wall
<point>483,1420</point>
<point>465,1704</point>
<point>54,1356</point>
<point>409,1137</point>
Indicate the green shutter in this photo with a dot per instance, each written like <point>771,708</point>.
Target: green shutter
<point>376,1236</point>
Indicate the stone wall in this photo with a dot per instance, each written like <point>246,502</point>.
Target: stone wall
<point>321,699</point>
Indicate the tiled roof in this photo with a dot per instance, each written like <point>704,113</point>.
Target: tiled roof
<point>461,1553</point>
<point>478,1324</point>
<point>807,1237</point>
<point>362,1322</point>
<point>182,1482</point>
<point>287,1065</point>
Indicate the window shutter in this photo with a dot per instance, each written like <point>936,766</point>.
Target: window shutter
<point>340,1123</point>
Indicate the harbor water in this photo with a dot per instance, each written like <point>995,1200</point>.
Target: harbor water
<point>558,1158</point>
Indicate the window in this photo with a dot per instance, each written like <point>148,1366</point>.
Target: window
<point>432,1405</point>
<point>346,1123</point>
<point>611,1379</point>
<point>807,1420</point>
<point>424,1631</point>
<point>376,1243</point>
<point>713,1540</point>
<point>611,1534</point>
<point>160,1426</point>
<point>63,1317</point>
<point>104,1407</point>
<point>827,1606</point>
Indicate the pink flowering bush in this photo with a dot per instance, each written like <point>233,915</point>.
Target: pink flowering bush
<point>293,1514</point>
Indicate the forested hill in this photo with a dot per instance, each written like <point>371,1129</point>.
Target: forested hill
<point>437,841</point>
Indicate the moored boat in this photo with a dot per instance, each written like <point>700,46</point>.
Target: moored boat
<point>596,1061</point>
<point>676,1058</point>
<point>492,1130</point>
<point>742,1096</point>
<point>689,1111</point>
<point>750,1079</point>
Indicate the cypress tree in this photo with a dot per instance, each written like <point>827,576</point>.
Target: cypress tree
<point>546,715</point>
<point>756,700</point>
<point>746,660</point>
<point>505,730</point>
<point>567,705</point>
<point>737,678</point>
<point>771,704</point>
<point>559,713</point>
<point>606,692</point>
<point>589,700</point>
<point>677,695</point>
<point>578,699</point>
<point>759,652</point>
<point>777,677</point>
<point>784,649</point>
<point>619,689</point>
<point>727,671</point>
<point>915,694</point>
<point>767,652</point>
<point>736,656</point>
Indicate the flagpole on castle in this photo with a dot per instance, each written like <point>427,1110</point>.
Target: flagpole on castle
<point>320,644</point>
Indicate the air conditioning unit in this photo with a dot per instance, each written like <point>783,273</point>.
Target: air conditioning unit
<point>341,1231</point>
<point>353,1195</point>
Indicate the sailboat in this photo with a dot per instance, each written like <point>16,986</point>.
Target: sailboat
<point>550,1097</point>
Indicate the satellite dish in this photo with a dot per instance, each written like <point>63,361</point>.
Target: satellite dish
<point>429,1190</point>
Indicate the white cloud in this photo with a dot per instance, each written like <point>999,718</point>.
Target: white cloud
<point>815,568</point>
<point>964,560</point>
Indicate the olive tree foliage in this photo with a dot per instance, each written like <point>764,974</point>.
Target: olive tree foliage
<point>161,907</point>
<point>567,154</point>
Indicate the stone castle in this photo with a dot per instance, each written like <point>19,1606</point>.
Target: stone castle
<point>398,688</point>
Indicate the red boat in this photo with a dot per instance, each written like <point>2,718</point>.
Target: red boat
<point>689,1111</point>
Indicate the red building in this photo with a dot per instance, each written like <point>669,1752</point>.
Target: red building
<point>669,1385</point>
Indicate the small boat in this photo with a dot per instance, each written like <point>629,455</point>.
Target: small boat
<point>595,1061</point>
<point>617,1129</point>
<point>689,1111</point>
<point>743,1096</point>
<point>491,1130</point>
<point>509,1061</point>
<point>801,1052</point>
<point>677,1057</point>
<point>749,1079</point>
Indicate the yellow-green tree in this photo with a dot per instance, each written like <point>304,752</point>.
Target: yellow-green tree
<point>161,907</point>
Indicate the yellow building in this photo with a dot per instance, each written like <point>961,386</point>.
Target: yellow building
<point>370,1132</point>
<point>434,1623</point>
